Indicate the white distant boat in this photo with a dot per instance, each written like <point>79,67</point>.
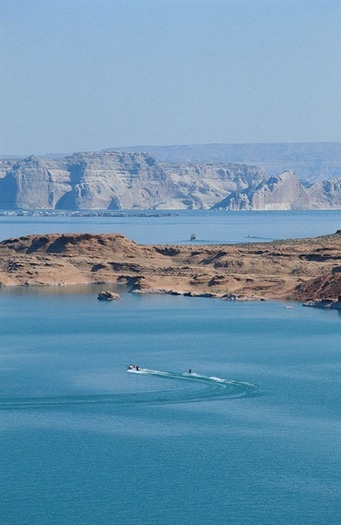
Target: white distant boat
<point>133,367</point>
<point>193,237</point>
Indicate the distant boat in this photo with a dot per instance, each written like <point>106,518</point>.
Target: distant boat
<point>193,237</point>
<point>133,367</point>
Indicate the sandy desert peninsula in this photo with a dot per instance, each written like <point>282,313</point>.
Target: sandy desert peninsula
<point>294,269</point>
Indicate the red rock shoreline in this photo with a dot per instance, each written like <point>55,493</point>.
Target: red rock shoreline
<point>294,269</point>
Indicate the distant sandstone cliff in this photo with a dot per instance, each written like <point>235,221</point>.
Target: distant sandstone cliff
<point>113,180</point>
<point>118,180</point>
<point>285,192</point>
<point>201,186</point>
<point>84,181</point>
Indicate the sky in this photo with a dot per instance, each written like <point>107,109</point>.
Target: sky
<point>84,75</point>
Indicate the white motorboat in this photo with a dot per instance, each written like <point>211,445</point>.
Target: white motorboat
<point>135,368</point>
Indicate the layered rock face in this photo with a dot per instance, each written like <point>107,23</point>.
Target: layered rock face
<point>326,194</point>
<point>84,181</point>
<point>285,192</point>
<point>201,186</point>
<point>33,183</point>
<point>116,180</point>
<point>113,180</point>
<point>277,193</point>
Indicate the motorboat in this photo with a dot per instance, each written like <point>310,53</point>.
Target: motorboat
<point>133,367</point>
<point>193,237</point>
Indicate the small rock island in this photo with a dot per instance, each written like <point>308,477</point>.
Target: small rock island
<point>108,296</point>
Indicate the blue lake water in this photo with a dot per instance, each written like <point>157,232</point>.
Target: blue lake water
<point>252,436</point>
<point>208,226</point>
<point>256,438</point>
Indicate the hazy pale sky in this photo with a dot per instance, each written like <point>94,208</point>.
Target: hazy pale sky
<point>81,75</point>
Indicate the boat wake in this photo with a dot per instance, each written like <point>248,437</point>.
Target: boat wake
<point>197,388</point>
<point>202,387</point>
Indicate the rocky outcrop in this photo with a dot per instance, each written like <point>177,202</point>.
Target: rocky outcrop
<point>33,183</point>
<point>117,180</point>
<point>201,186</point>
<point>326,286</point>
<point>285,192</point>
<point>324,304</point>
<point>305,269</point>
<point>277,193</point>
<point>325,194</point>
<point>108,296</point>
<point>85,181</point>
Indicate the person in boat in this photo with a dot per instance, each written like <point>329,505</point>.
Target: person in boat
<point>133,367</point>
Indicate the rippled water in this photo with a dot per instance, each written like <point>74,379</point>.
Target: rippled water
<point>252,435</point>
<point>215,388</point>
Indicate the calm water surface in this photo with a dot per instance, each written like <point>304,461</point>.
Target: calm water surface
<point>255,439</point>
<point>209,226</point>
<point>252,436</point>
